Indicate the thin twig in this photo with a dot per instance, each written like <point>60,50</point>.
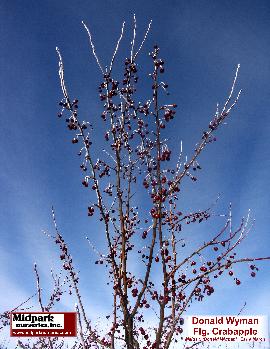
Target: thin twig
<point>117,47</point>
<point>93,47</point>
<point>39,290</point>
<point>134,37</point>
<point>145,37</point>
<point>232,89</point>
<point>61,74</point>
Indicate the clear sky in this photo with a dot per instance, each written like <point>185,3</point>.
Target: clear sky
<point>202,42</point>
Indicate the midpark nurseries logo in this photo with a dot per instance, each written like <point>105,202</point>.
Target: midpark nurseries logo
<point>226,328</point>
<point>43,324</point>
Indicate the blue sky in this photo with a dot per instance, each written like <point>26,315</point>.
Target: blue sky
<point>202,42</point>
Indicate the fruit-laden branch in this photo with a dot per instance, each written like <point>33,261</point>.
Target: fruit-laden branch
<point>138,149</point>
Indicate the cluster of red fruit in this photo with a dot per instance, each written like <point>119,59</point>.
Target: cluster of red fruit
<point>217,120</point>
<point>159,63</point>
<point>66,257</point>
<point>144,304</point>
<point>66,106</point>
<point>169,115</point>
<point>72,107</point>
<point>253,267</point>
<point>103,168</point>
<point>100,261</point>
<point>196,217</point>
<point>111,89</point>
<point>134,292</point>
<point>160,196</point>
<point>145,336</point>
<point>85,183</point>
<point>108,190</point>
<point>155,213</point>
<point>83,167</point>
<point>165,253</point>
<point>91,210</point>
<point>144,235</point>
<point>144,109</point>
<point>165,155</point>
<point>130,66</point>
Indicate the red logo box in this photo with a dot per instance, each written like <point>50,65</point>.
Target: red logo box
<point>43,324</point>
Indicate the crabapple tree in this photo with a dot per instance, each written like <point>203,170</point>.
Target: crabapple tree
<point>149,227</point>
